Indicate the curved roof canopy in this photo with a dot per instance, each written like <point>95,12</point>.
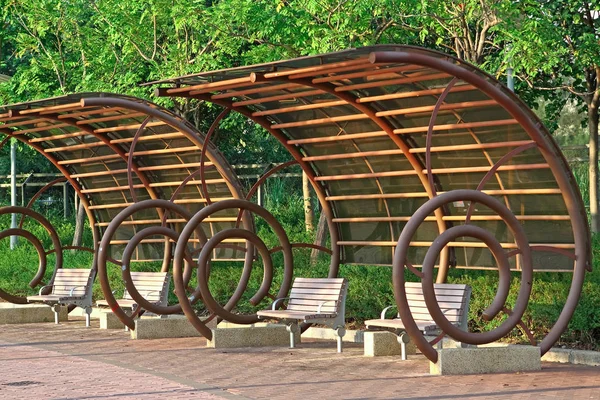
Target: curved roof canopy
<point>90,139</point>
<point>358,121</point>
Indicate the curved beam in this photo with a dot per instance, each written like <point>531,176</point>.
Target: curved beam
<point>84,200</point>
<point>513,105</point>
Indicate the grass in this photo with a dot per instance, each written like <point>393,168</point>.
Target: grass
<point>370,288</point>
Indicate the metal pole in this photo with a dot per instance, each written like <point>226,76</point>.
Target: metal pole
<point>510,81</point>
<point>65,200</point>
<point>260,195</point>
<point>13,188</point>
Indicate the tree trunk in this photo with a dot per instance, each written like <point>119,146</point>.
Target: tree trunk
<point>593,167</point>
<point>309,215</point>
<point>321,239</point>
<point>79,224</point>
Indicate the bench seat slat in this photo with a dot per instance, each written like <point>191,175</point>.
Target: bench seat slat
<point>313,291</point>
<point>284,314</point>
<point>323,286</point>
<point>321,280</point>
<point>438,292</point>
<point>146,288</point>
<point>448,299</point>
<point>320,297</point>
<point>298,307</point>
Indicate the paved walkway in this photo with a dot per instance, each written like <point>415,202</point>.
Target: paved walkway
<point>71,362</point>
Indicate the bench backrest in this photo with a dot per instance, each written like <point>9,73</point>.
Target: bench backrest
<point>453,300</point>
<point>67,279</point>
<point>308,293</point>
<point>153,286</point>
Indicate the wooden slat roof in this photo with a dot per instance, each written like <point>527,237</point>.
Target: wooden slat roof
<point>358,123</point>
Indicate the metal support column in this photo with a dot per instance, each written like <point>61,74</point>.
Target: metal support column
<point>13,188</point>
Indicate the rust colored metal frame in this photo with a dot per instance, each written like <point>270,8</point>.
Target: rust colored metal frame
<point>37,279</point>
<point>552,156</point>
<point>499,301</point>
<point>39,193</point>
<point>203,289</point>
<point>326,207</point>
<point>185,274</point>
<point>74,183</point>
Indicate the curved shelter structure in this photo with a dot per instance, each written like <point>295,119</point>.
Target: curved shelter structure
<point>380,130</point>
<point>418,160</point>
<point>411,152</point>
<point>116,151</point>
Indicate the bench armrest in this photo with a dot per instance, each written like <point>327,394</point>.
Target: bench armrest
<point>385,311</point>
<point>323,303</point>
<point>277,301</point>
<point>44,287</point>
<point>75,287</point>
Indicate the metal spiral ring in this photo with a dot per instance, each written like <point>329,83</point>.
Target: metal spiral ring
<point>105,244</point>
<point>400,259</point>
<point>57,248</point>
<point>203,289</point>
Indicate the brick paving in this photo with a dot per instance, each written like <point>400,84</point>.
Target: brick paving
<point>71,362</point>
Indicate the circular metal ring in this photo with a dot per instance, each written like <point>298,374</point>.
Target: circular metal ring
<point>401,253</point>
<point>502,294</point>
<point>196,220</point>
<point>41,256</point>
<point>126,270</point>
<point>58,263</point>
<point>110,231</point>
<point>203,275</point>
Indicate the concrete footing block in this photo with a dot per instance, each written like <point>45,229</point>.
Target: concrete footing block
<point>108,320</point>
<point>255,335</point>
<point>382,343</point>
<point>172,326</point>
<point>485,360</point>
<point>29,313</point>
<point>584,357</point>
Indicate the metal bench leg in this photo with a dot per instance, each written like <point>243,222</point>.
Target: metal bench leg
<point>88,312</point>
<point>340,332</point>
<point>56,309</point>
<point>292,328</point>
<point>403,339</point>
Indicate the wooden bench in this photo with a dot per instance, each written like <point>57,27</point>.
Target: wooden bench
<point>153,286</point>
<point>453,300</point>
<point>315,301</point>
<point>71,286</point>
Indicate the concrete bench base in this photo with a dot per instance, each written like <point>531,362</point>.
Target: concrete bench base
<point>172,326</point>
<point>29,313</point>
<point>108,320</point>
<point>229,335</point>
<point>486,360</point>
<point>382,343</point>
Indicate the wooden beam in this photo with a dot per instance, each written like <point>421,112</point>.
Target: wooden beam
<point>416,93</point>
<point>403,131</point>
<point>318,68</point>
<point>417,77</point>
<point>433,149</point>
<point>458,218</point>
<point>457,170</point>
<point>269,99</point>
<point>450,244</point>
<point>214,85</point>
<point>493,192</point>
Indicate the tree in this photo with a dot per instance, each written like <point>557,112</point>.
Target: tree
<point>556,51</point>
